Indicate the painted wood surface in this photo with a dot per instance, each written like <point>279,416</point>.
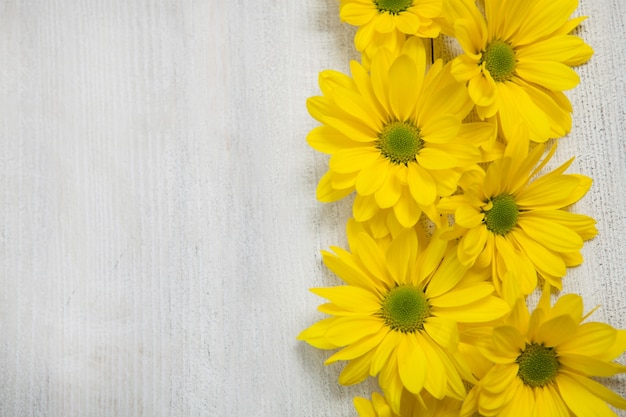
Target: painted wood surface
<point>158,222</point>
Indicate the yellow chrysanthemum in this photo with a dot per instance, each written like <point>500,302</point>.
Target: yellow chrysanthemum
<point>382,21</point>
<point>517,61</point>
<point>518,226</point>
<point>410,406</point>
<point>542,364</point>
<point>396,135</point>
<point>397,316</point>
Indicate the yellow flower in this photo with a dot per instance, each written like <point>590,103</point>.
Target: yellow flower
<point>542,364</point>
<point>519,227</point>
<point>397,316</point>
<point>517,61</point>
<point>394,136</point>
<point>380,21</point>
<point>410,406</point>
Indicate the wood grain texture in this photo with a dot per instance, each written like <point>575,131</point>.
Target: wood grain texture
<point>158,222</point>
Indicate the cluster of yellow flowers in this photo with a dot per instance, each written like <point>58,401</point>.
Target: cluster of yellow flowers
<point>455,220</point>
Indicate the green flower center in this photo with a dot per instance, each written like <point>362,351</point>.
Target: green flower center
<point>502,217</point>
<point>499,59</point>
<point>392,6</point>
<point>538,365</point>
<point>400,142</point>
<point>405,309</point>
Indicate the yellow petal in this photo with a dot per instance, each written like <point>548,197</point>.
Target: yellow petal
<point>481,311</point>
<point>465,68</point>
<point>482,89</point>
<point>569,304</point>
<point>544,260</point>
<point>350,298</point>
<point>469,34</point>
<point>401,255</point>
<point>364,407</point>
<point>358,348</point>
<point>434,158</point>
<point>328,140</point>
<point>326,192</point>
<point>591,339</point>
<point>544,18</point>
<point>353,103</point>
<point>371,255</point>
<point>406,210</point>
<point>436,380</point>
<point>558,48</point>
<point>379,78</point>
<point>596,390</point>
<point>548,193</point>
<point>348,329</point>
<point>385,22</point>
<point>407,23</point>
<point>357,370</point>
<point>549,234</point>
<point>353,159</point>
<point>391,189</point>
<point>472,244</point>
<point>444,331</point>
<point>447,275</point>
<point>579,400</point>
<point>384,350</point>
<point>372,176</point>
<point>421,185</point>
<point>412,362</point>
<point>591,366</point>
<point>517,107</point>
<point>403,88</point>
<point>357,13</point>
<point>551,75</point>
<point>468,216</point>
<point>462,296</point>
<point>364,208</point>
<point>363,83</point>
<point>508,342</point>
<point>556,107</point>
<point>500,378</point>
<point>555,331</point>
<point>364,35</point>
<point>315,335</point>
<point>549,401</point>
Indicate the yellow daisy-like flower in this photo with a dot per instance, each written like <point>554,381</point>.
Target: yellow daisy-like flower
<point>397,316</point>
<point>395,135</point>
<point>517,61</point>
<point>543,361</point>
<point>380,21</point>
<point>518,226</point>
<point>410,406</point>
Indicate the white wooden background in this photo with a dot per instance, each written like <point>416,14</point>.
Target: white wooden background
<point>158,222</point>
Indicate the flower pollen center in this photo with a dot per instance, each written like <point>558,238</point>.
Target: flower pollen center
<point>400,142</point>
<point>501,218</point>
<point>499,59</point>
<point>392,6</point>
<point>538,365</point>
<point>405,309</point>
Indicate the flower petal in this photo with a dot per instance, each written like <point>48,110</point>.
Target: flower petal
<point>551,235</point>
<point>403,87</point>
<point>413,367</point>
<point>551,75</point>
<point>578,398</point>
<point>348,329</point>
<point>350,298</point>
<point>372,176</point>
<point>554,331</point>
